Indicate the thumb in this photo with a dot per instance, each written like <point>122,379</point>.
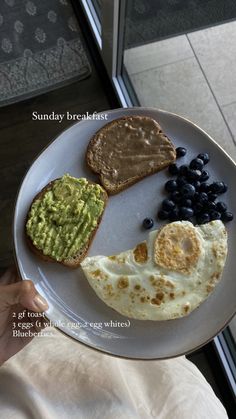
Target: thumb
<point>24,293</point>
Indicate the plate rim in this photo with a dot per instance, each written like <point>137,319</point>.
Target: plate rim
<point>110,112</point>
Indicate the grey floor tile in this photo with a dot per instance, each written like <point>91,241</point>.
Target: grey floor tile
<point>156,54</point>
<point>182,88</point>
<point>216,50</point>
<point>229,112</point>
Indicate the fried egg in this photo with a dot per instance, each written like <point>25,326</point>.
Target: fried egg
<point>165,277</point>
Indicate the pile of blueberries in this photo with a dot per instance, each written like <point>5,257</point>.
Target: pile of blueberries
<point>190,195</point>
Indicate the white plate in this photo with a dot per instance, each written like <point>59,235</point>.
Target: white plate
<point>70,298</point>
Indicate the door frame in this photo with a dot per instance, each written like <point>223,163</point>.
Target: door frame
<point>110,40</point>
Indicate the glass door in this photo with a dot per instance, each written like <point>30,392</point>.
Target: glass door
<point>173,57</point>
<point>172,54</point>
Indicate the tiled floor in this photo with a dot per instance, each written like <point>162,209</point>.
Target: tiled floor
<point>193,75</point>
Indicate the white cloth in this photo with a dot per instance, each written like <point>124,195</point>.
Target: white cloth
<point>56,377</point>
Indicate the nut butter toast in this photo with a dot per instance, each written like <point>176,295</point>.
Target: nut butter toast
<point>128,149</point>
<point>63,219</point>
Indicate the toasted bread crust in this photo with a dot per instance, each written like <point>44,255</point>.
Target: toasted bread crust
<point>72,262</point>
<point>113,189</point>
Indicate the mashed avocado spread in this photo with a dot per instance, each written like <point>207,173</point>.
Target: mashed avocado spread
<point>61,221</point>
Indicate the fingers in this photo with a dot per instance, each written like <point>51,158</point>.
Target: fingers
<point>24,293</point>
<point>31,299</point>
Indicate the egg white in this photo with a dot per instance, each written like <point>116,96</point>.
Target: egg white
<point>152,292</point>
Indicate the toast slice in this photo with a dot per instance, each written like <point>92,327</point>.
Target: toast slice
<point>128,149</point>
<point>63,219</point>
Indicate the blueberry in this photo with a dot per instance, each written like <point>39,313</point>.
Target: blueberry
<point>168,205</point>
<point>187,191</point>
<point>196,184</point>
<point>203,218</point>
<point>148,223</point>
<point>204,176</point>
<point>186,202</point>
<point>196,197</point>
<point>204,157</point>
<point>180,152</point>
<point>203,198</point>
<point>218,188</point>
<point>224,188</point>
<point>211,206</point>
<point>215,215</point>
<point>212,196</point>
<point>204,186</point>
<point>198,208</point>
<point>185,213</point>
<point>175,196</point>
<point>174,215</point>
<point>196,164</point>
<point>163,215</point>
<point>173,169</point>
<point>171,186</point>
<point>183,170</point>
<point>227,216</point>
<point>193,174</point>
<point>221,207</point>
<point>181,180</point>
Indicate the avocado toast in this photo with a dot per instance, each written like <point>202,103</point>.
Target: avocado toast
<point>63,219</point>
